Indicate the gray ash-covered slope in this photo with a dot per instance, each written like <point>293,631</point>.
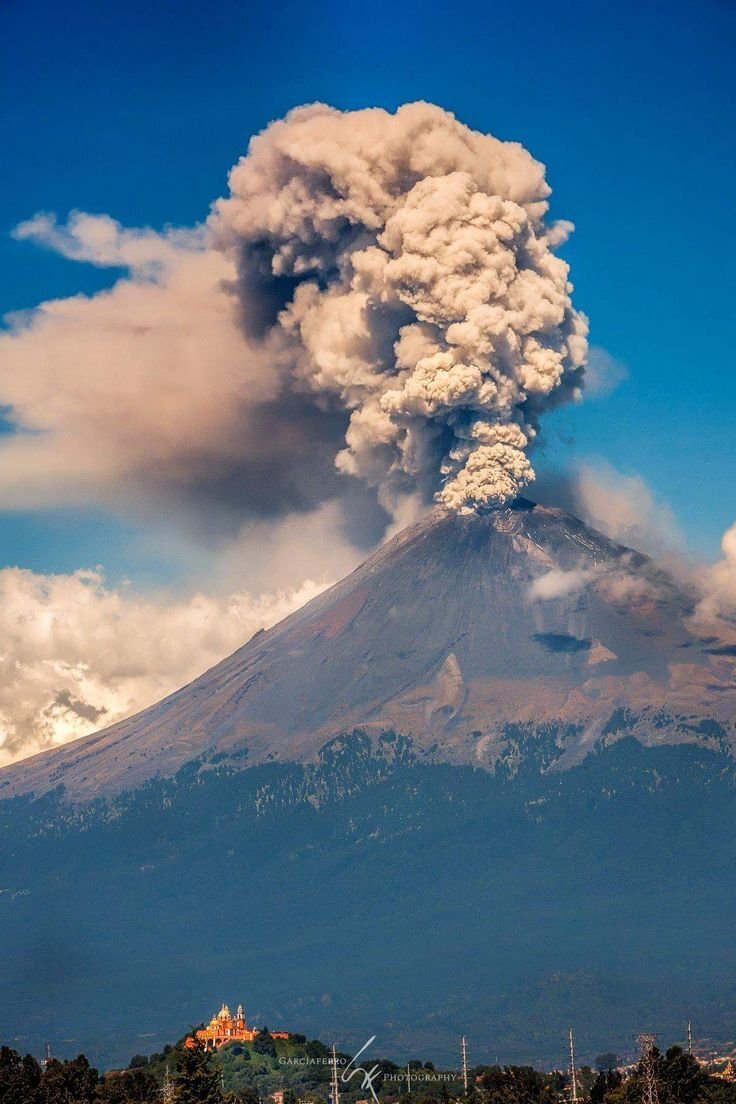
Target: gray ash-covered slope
<point>456,632</point>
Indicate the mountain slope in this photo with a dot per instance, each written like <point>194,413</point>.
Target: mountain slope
<point>485,784</point>
<point>369,894</point>
<point>457,632</point>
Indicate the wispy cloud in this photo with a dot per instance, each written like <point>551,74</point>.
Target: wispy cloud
<point>604,373</point>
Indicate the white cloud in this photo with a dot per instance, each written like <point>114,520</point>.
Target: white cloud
<point>147,396</point>
<point>718,583</point>
<point>617,586</point>
<point>558,584</point>
<point>101,241</point>
<point>133,389</point>
<point>77,654</point>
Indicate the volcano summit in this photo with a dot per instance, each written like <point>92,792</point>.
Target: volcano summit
<point>456,631</point>
<point>485,783</point>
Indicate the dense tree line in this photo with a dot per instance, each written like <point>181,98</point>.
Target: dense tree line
<point>195,1079</point>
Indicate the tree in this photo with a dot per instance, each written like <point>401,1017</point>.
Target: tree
<point>131,1086</point>
<point>606,1061</point>
<point>73,1082</point>
<point>249,1095</point>
<point>264,1044</point>
<point>682,1078</point>
<point>316,1049</point>
<point>472,1096</point>
<point>605,1083</point>
<point>719,1092</point>
<point>196,1081</point>
<point>515,1085</point>
<point>586,1078</point>
<point>19,1077</point>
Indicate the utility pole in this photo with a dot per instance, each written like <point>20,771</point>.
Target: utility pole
<point>689,1037</point>
<point>573,1072</point>
<point>335,1094</point>
<point>649,1094</point>
<point>464,1050</point>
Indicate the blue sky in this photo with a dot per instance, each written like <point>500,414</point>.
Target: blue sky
<point>139,110</point>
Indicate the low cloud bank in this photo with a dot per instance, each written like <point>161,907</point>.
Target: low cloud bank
<point>78,655</point>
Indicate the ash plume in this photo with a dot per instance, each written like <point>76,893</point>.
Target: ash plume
<point>398,268</point>
<point>378,296</point>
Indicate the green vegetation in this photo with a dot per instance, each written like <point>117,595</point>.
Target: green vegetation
<point>679,1077</point>
<point>250,1073</point>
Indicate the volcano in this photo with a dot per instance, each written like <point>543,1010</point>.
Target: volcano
<point>453,631</point>
<point>485,784</point>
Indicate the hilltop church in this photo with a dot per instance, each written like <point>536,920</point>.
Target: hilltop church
<point>226,1028</point>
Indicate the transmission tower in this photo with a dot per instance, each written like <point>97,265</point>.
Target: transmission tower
<point>464,1052</point>
<point>649,1094</point>
<point>573,1071</point>
<point>408,1078</point>
<point>335,1092</point>
<point>689,1037</point>
<point>168,1092</point>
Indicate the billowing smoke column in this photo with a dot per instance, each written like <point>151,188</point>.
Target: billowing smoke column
<point>398,267</point>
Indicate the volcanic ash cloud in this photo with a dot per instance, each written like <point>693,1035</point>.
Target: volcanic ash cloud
<point>398,268</point>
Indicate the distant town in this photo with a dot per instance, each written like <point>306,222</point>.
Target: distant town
<point>228,1061</point>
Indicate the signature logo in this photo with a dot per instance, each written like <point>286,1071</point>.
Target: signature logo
<point>369,1075</point>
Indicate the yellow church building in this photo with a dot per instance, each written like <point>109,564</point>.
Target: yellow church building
<point>226,1028</point>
